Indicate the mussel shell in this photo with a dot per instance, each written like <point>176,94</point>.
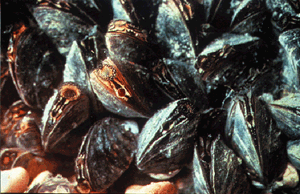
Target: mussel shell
<point>286,114</point>
<point>201,175</point>
<point>126,41</point>
<point>293,151</point>
<point>284,16</point>
<point>20,128</point>
<point>166,141</point>
<point>232,60</point>
<point>106,152</point>
<point>295,4</point>
<point>8,91</point>
<point>26,135</point>
<point>52,184</point>
<point>98,11</point>
<point>222,174</point>
<point>36,76</point>
<point>164,80</point>
<point>118,11</point>
<point>219,13</point>
<point>66,110</point>
<point>62,24</point>
<point>290,41</point>
<point>140,12</point>
<point>232,178</point>
<point>224,14</point>
<point>126,88</point>
<point>268,82</point>
<point>252,134</point>
<point>76,71</point>
<point>92,49</point>
<point>194,14</point>
<point>172,34</point>
<point>249,17</point>
<point>12,116</point>
<point>213,122</point>
<point>145,13</point>
<point>186,77</point>
<point>171,39</point>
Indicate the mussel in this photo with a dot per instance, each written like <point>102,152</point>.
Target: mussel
<point>204,93</point>
<point>126,41</point>
<point>125,88</point>
<point>36,76</point>
<point>26,135</point>
<point>293,148</point>
<point>290,40</point>
<point>250,17</point>
<point>253,135</point>
<point>105,153</point>
<point>67,111</point>
<point>219,171</point>
<point>12,116</point>
<point>284,16</point>
<point>52,184</point>
<point>286,114</point>
<point>166,142</point>
<point>215,63</point>
<point>63,23</point>
<point>77,70</point>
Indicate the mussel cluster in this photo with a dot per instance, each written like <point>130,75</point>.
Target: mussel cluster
<point>205,93</point>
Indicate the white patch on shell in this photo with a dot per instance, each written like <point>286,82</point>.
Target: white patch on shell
<point>227,39</point>
<point>131,126</point>
<point>164,176</point>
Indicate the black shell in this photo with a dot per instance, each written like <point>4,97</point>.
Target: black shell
<point>126,41</point>
<point>290,40</point>
<point>119,11</point>
<point>140,12</point>
<point>77,70</point>
<point>164,80</point>
<point>126,88</point>
<point>284,16</point>
<point>295,4</point>
<point>232,60</point>
<point>63,23</point>
<point>174,43</point>
<point>98,11</point>
<point>252,134</point>
<point>35,66</point>
<point>172,33</point>
<point>249,17</point>
<point>166,142</point>
<point>286,113</point>
<point>106,152</point>
<point>67,110</point>
<point>222,173</point>
<point>293,148</point>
